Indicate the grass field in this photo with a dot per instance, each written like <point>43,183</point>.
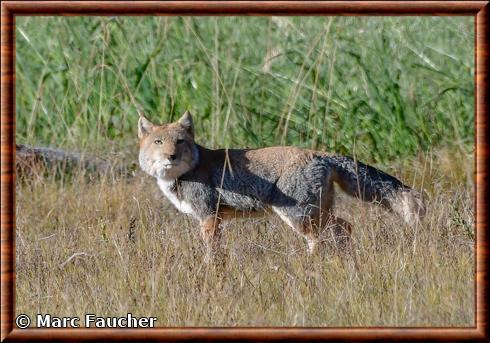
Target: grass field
<point>395,92</point>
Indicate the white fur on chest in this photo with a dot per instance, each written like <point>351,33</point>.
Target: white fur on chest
<point>182,205</point>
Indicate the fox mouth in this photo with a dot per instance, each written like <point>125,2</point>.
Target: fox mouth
<point>163,166</point>
<point>168,165</point>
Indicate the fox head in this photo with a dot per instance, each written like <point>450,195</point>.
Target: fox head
<point>167,151</point>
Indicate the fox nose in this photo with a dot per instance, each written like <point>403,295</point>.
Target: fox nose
<point>172,157</point>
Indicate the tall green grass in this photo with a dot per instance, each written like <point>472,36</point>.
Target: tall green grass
<point>379,87</point>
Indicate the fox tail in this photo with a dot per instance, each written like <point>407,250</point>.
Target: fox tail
<point>370,184</point>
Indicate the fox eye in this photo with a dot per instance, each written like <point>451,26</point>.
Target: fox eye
<point>180,141</point>
<point>158,141</point>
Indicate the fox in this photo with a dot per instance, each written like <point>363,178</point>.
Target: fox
<point>296,184</point>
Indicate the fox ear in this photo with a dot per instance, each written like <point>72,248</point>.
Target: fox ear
<point>144,127</point>
<point>186,122</point>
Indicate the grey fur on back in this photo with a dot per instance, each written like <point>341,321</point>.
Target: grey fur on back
<point>296,191</point>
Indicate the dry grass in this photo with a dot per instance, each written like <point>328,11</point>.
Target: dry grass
<point>115,247</point>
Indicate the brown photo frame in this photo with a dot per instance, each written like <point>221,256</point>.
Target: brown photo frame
<point>11,9</point>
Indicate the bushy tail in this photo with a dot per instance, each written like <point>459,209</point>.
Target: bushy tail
<point>370,184</point>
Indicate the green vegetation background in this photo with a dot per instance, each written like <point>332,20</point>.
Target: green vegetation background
<point>383,88</point>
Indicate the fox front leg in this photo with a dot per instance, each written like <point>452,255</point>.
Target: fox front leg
<point>210,232</point>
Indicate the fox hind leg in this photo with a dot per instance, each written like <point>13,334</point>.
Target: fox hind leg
<point>324,221</point>
<point>210,233</point>
<point>301,226</point>
<point>311,226</point>
<point>340,229</point>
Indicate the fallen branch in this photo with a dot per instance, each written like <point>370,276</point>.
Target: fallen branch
<point>31,159</point>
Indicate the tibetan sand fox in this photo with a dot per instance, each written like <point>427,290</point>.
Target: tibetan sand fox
<point>296,184</point>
